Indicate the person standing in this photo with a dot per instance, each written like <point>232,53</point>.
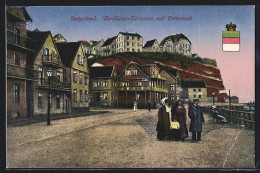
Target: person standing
<point>179,114</point>
<point>196,116</point>
<point>149,106</point>
<point>163,124</point>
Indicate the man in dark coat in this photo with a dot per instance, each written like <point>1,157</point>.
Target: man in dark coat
<point>196,116</point>
<point>149,106</point>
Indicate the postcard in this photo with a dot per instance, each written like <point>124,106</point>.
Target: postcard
<point>130,86</point>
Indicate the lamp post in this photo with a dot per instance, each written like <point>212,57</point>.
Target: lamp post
<point>49,74</point>
<point>213,98</point>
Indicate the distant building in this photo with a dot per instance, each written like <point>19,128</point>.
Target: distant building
<point>129,42</point>
<point>151,46</point>
<point>109,46</point>
<point>234,99</point>
<point>193,89</point>
<point>103,86</point>
<point>194,55</point>
<point>76,75</point>
<point>96,47</point>
<point>86,47</point>
<point>178,43</point>
<point>59,39</point>
<point>141,84</point>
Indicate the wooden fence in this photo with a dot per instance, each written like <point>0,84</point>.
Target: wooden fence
<point>245,118</point>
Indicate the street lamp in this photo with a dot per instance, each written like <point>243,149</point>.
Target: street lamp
<point>213,98</point>
<point>49,74</point>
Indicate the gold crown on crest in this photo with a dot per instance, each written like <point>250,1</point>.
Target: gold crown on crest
<point>231,27</point>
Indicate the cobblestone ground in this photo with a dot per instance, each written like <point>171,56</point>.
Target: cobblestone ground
<point>125,139</point>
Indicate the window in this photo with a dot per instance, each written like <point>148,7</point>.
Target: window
<point>80,77</point>
<point>86,79</point>
<point>127,44</point>
<point>127,49</point>
<point>124,83</point>
<point>80,60</point>
<point>138,38</point>
<point>171,87</point>
<point>194,90</point>
<point>75,95</point>
<point>58,101</point>
<point>17,59</point>
<point>58,76</point>
<point>80,96</point>
<point>194,96</point>
<point>199,96</point>
<point>104,83</point>
<point>133,44</point>
<point>172,97</point>
<point>16,93</point>
<point>199,89</point>
<point>138,96</point>
<point>127,38</point>
<point>105,95</point>
<point>138,50</point>
<point>40,75</point>
<point>139,83</point>
<point>75,76</point>
<point>134,72</point>
<point>86,96</point>
<point>133,38</point>
<point>96,84</point>
<point>17,35</point>
<point>39,100</point>
<point>133,50</point>
<point>128,72</point>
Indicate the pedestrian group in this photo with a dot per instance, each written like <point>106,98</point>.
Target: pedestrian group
<point>171,123</point>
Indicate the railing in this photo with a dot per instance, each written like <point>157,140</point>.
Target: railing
<point>19,72</point>
<point>158,76</point>
<point>142,88</point>
<point>54,84</point>
<point>239,117</point>
<point>18,39</point>
<point>51,59</point>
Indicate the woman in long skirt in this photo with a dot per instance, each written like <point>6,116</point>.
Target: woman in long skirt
<point>179,114</point>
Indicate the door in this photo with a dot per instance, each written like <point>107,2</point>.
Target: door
<point>97,97</point>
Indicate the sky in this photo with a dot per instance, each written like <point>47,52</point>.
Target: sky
<point>204,30</point>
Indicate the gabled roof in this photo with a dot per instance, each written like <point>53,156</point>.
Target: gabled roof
<point>130,34</point>
<point>174,38</point>
<point>108,41</point>
<point>172,72</point>
<point>101,72</point>
<point>85,43</point>
<point>149,43</point>
<point>36,42</point>
<point>139,68</point>
<point>193,84</point>
<point>68,52</point>
<point>94,43</point>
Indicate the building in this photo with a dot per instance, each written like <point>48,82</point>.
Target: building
<point>96,47</point>
<point>234,99</point>
<point>172,83</point>
<point>76,75</point>
<point>178,43</point>
<point>109,46</point>
<point>59,39</point>
<point>45,59</point>
<point>141,84</point>
<point>87,48</point>
<point>193,89</point>
<point>103,86</point>
<point>19,78</point>
<point>151,46</point>
<point>129,42</point>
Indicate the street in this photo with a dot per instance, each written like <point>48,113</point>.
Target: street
<point>123,138</point>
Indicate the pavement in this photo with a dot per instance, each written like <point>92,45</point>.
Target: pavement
<point>123,138</point>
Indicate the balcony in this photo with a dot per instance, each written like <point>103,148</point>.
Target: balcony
<point>18,40</point>
<point>54,84</point>
<point>142,88</point>
<point>21,73</point>
<point>157,76</point>
<point>51,61</point>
